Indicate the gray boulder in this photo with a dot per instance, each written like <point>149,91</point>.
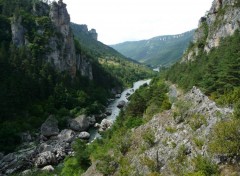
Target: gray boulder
<point>108,112</point>
<point>92,120</point>
<point>81,123</point>
<point>45,158</point>
<point>121,104</point>
<point>48,168</point>
<point>67,135</point>
<point>105,124</point>
<point>84,135</point>
<point>50,127</point>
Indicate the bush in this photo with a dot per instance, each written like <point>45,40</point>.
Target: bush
<point>107,165</point>
<point>197,121</point>
<point>204,166</point>
<point>226,138</point>
<point>149,137</point>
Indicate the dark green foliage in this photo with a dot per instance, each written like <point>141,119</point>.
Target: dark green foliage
<point>116,65</point>
<point>31,88</point>
<point>217,72</point>
<point>162,50</point>
<point>78,164</point>
<point>116,142</point>
<point>226,138</point>
<point>203,167</point>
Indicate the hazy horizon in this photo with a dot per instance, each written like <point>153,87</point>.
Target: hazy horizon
<point>118,21</point>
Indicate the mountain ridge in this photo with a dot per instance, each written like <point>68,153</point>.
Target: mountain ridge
<point>158,50</point>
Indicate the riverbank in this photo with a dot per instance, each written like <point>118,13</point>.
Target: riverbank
<point>50,146</point>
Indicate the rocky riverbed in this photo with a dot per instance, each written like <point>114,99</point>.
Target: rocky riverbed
<point>50,146</point>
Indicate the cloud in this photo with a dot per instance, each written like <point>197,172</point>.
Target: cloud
<point>120,20</point>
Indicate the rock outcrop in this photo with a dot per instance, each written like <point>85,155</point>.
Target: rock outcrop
<point>173,142</point>
<point>84,29</point>
<point>50,127</point>
<point>81,123</point>
<point>220,21</point>
<point>18,31</point>
<point>61,51</point>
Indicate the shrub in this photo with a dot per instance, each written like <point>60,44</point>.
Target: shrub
<point>107,165</point>
<point>204,166</point>
<point>197,121</point>
<point>149,137</point>
<point>226,138</point>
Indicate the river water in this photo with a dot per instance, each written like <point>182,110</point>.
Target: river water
<point>113,106</point>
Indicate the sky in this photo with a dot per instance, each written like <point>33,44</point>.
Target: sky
<point>117,21</point>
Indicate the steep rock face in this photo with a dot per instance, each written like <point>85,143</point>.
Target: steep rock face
<point>220,21</point>
<point>61,47</point>
<point>64,59</point>
<point>84,66</point>
<point>221,26</point>
<point>93,34</point>
<point>174,138</point>
<point>17,31</point>
<point>84,28</point>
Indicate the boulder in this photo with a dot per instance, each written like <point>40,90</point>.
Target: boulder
<point>121,104</point>
<point>80,123</point>
<point>26,172</point>
<point>8,158</point>
<point>105,124</point>
<point>84,135</point>
<point>92,120</point>
<point>97,125</point>
<point>118,96</point>
<point>67,135</point>
<point>44,148</point>
<point>108,112</point>
<point>45,158</point>
<point>50,127</point>
<point>48,168</point>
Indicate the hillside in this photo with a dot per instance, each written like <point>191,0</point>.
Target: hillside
<point>114,62</point>
<point>157,51</point>
<point>188,123</point>
<point>45,72</point>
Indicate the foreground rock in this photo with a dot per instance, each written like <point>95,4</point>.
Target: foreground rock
<point>173,145</point>
<point>105,124</point>
<point>121,104</point>
<point>50,127</point>
<point>45,158</point>
<point>81,123</point>
<point>84,135</point>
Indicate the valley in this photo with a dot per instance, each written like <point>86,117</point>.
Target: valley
<point>71,105</point>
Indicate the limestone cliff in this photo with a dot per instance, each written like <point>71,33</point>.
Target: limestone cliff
<point>66,58</point>
<point>59,49</point>
<point>83,28</point>
<point>222,20</point>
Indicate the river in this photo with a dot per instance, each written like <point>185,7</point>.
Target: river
<point>113,106</point>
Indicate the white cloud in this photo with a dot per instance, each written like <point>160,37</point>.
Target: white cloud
<point>120,20</point>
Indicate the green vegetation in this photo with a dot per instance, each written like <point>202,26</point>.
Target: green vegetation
<point>32,88</point>
<point>203,167</point>
<point>109,152</point>
<point>226,138</point>
<point>158,51</point>
<point>196,121</point>
<point>124,69</point>
<point>217,72</point>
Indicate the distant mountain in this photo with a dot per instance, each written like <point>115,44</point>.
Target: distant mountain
<point>88,40</point>
<point>125,69</point>
<point>161,50</point>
